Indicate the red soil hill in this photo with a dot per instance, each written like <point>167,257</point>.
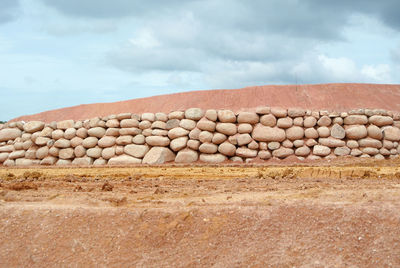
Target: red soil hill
<point>333,97</point>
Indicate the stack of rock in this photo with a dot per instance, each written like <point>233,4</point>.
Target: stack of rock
<point>210,136</point>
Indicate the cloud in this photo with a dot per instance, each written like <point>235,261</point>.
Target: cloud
<point>8,10</point>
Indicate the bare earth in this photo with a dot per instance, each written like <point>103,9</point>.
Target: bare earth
<point>336,214</point>
<point>332,97</point>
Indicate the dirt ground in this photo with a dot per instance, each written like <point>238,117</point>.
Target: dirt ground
<point>336,214</point>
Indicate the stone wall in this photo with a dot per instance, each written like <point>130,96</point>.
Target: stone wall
<point>208,136</point>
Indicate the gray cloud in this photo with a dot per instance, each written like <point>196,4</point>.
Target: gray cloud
<point>8,10</point>
<point>227,41</point>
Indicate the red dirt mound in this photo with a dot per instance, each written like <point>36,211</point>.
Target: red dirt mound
<point>335,97</point>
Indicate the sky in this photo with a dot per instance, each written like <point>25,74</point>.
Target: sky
<point>59,53</point>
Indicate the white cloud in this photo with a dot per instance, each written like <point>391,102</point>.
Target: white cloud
<point>380,73</point>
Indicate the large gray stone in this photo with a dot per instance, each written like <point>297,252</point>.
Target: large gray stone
<point>392,133</point>
<point>356,132</point>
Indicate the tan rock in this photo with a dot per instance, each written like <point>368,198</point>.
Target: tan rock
<point>62,143</point>
<point>246,152</point>
<point>9,163</point>
<point>65,124</point>
<point>205,136</point>
<point>244,139</point>
<point>124,160</point>
<point>194,134</point>
<point>3,157</point>
<point>138,151</point>
<point>273,145</point>
<point>177,132</point>
<point>24,162</point>
<point>285,122</point>
<point>282,152</point>
<point>157,141</point>
<point>54,151</point>
<point>227,148</point>
<point>248,117</point>
<point>263,133</point>
<point>263,110</point>
<point>67,153</point>
<point>311,142</point>
<point>311,133</point>
<point>295,133</point>
<point>205,124</point>
<point>186,156</point>
<point>108,153</point>
<point>355,152</point>
<point>323,132</point>
<point>298,121</point>
<point>145,124</point>
<point>161,117</point>
<point>245,128</point>
<point>324,121</point>
<point>227,128</point>
<point>172,123</point>
<point>194,113</point>
<point>302,151</point>
<point>331,142</point>
<point>338,132</point>
<point>79,151</point>
<point>374,132</point>
<point>176,115</point>
<point>7,134</point>
<point>309,121</point>
<point>148,116</point>
<point>268,120</point>
<point>69,133</point>
<point>355,120</point>
<point>391,133</point>
<point>81,133</point>
<point>341,151</point>
<point>97,132</point>
<point>48,161</point>
<point>122,116</point>
<point>112,123</point>
<point>279,112</point>
<point>42,152</point>
<point>381,121</point>
<point>208,148</point>
<point>211,115</point>
<point>296,112</point>
<point>139,139</point>
<point>130,131</point>
<point>128,123</point>
<point>226,116</point>
<point>76,141</point>
<point>158,155</point>
<point>159,125</point>
<point>369,142</point>
<point>193,144</point>
<point>370,151</point>
<point>321,150</point>
<point>106,141</point>
<point>178,143</point>
<point>264,155</point>
<point>94,152</point>
<point>90,142</point>
<point>287,144</point>
<point>33,126</point>
<point>356,132</point>
<point>6,148</point>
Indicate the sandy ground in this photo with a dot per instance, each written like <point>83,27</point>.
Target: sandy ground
<point>325,215</point>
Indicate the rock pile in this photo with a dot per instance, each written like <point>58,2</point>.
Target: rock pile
<point>209,136</point>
